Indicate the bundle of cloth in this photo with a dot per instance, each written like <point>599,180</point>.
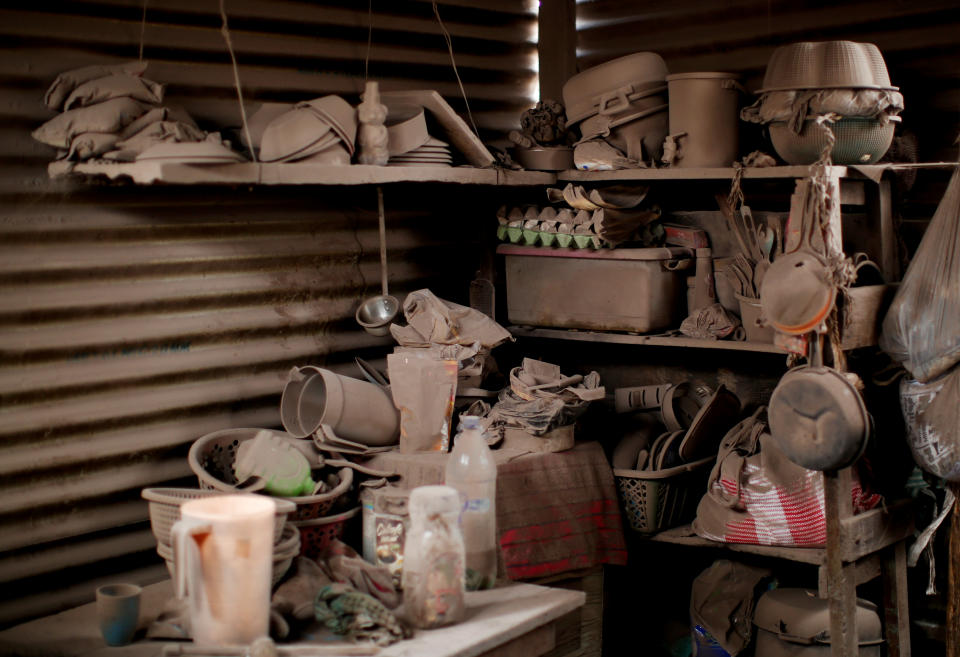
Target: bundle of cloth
<point>113,112</point>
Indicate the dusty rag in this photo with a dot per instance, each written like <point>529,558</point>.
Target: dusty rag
<point>359,616</point>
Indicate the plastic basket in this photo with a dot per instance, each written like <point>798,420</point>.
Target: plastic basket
<point>284,552</point>
<point>661,499</point>
<point>316,535</point>
<point>164,507</point>
<point>212,456</point>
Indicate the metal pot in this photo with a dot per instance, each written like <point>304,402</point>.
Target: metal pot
<point>817,416</point>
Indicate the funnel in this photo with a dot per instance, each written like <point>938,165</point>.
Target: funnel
<point>376,313</point>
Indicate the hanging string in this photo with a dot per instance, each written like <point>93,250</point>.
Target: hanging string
<point>143,27</point>
<point>225,31</point>
<point>366,62</point>
<point>453,61</point>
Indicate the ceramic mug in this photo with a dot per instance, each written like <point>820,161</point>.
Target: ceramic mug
<point>118,609</point>
<point>223,551</point>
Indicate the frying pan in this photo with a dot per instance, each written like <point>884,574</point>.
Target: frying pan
<point>817,416</point>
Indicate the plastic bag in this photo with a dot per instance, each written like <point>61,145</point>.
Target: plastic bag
<point>933,423</point>
<point>920,329</point>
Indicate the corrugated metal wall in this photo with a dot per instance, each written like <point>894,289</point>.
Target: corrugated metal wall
<point>135,319</point>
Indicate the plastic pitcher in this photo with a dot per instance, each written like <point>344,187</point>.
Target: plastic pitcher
<point>223,552</point>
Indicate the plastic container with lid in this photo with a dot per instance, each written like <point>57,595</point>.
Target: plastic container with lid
<point>433,569</point>
<point>472,471</point>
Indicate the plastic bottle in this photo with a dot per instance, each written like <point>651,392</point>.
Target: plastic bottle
<point>433,563</point>
<point>472,471</point>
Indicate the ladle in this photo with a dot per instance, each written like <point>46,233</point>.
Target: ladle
<point>376,313</point>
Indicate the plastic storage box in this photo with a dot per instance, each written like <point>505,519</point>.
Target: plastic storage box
<point>636,290</point>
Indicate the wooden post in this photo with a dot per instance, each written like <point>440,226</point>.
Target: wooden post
<point>841,584</point>
<point>557,46</point>
<point>953,580</point>
<point>896,612</point>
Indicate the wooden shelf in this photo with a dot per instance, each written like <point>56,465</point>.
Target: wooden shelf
<point>643,340</point>
<point>251,173</point>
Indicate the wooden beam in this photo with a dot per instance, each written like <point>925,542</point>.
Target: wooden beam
<point>841,582</point>
<point>558,46</point>
<point>896,611</point>
<point>873,530</point>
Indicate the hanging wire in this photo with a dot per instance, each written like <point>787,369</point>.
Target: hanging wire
<point>453,61</point>
<point>143,27</point>
<point>366,62</point>
<point>225,31</point>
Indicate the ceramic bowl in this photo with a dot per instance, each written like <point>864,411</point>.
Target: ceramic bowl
<point>544,158</point>
<point>292,132</point>
<point>610,83</point>
<point>341,116</point>
<point>406,129</point>
<point>826,65</point>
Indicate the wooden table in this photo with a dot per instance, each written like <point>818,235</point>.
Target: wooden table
<point>514,620</point>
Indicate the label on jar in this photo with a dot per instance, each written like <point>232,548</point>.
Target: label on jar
<point>478,505</point>
<point>388,544</point>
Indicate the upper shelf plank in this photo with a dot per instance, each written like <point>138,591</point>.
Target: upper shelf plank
<point>146,173</point>
<point>648,340</point>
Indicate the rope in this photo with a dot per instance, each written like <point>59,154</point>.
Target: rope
<point>366,61</point>
<point>143,27</point>
<point>453,61</point>
<point>225,31</point>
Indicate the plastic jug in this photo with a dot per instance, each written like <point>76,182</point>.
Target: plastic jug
<point>472,471</point>
<point>223,553</point>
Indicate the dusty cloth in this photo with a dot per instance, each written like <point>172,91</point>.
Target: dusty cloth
<point>66,82</point>
<point>118,85</point>
<point>598,155</point>
<point>537,410</point>
<point>557,512</point>
<point>91,144</point>
<point>107,117</point>
<point>294,597</point>
<point>341,563</point>
<point>359,616</point>
<point>758,159</point>
<point>722,599</point>
<point>433,321</point>
<point>710,323</point>
<point>794,107</point>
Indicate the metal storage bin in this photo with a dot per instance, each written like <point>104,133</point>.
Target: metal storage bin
<point>636,290</point>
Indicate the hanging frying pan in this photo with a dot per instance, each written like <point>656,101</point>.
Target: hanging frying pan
<point>817,416</point>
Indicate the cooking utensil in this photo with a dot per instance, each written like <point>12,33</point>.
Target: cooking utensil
<point>817,416</point>
<point>376,313</point>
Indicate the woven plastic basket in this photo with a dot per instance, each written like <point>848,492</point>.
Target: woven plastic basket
<point>284,552</point>
<point>316,535</point>
<point>165,509</point>
<point>212,456</point>
<point>661,499</point>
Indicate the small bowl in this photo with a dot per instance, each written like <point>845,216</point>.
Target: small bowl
<point>406,130</point>
<point>376,314</point>
<point>826,65</point>
<point>545,158</point>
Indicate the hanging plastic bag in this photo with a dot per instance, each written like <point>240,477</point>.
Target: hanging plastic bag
<point>920,329</point>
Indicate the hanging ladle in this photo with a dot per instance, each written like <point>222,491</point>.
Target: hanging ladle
<point>376,313</point>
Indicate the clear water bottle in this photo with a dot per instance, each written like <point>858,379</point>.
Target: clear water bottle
<point>472,471</point>
<point>433,558</point>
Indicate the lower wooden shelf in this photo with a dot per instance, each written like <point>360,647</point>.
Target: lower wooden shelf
<point>648,340</point>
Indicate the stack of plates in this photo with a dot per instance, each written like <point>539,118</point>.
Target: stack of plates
<point>199,152</point>
<point>434,153</point>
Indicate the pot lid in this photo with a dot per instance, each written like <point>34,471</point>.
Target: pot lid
<point>799,616</point>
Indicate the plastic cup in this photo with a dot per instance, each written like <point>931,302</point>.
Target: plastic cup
<point>118,609</point>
